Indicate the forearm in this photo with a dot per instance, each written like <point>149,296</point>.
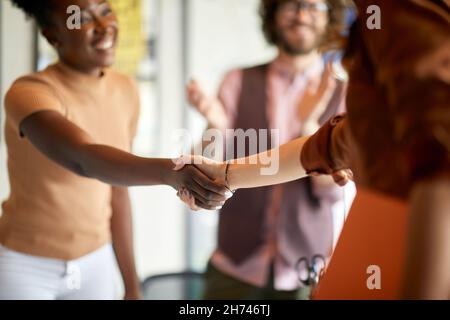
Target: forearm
<point>120,168</point>
<point>122,238</point>
<point>65,143</point>
<point>427,274</point>
<point>326,152</point>
<point>277,166</point>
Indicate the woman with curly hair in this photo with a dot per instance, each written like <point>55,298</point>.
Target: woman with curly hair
<point>69,130</point>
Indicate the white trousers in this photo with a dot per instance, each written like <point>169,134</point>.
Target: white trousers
<point>26,277</point>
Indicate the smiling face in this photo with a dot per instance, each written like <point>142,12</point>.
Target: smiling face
<point>301,30</point>
<point>90,48</point>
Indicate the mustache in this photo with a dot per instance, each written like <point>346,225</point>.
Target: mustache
<point>296,24</point>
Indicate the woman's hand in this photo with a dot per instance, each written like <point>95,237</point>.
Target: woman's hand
<point>212,169</point>
<point>210,108</point>
<point>198,188</point>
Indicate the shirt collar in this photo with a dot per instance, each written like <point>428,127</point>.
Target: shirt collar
<point>285,71</point>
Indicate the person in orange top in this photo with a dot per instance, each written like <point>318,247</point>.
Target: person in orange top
<point>68,131</point>
<point>395,137</point>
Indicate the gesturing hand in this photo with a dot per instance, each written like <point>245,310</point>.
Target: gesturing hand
<point>197,97</point>
<point>209,107</point>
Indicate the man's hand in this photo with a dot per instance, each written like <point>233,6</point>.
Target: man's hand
<point>317,96</point>
<point>197,97</point>
<point>209,107</point>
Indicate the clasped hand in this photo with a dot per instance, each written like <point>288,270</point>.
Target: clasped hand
<point>208,189</point>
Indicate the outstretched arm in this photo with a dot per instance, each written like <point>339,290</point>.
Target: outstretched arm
<point>275,166</point>
<point>71,147</point>
<point>294,160</point>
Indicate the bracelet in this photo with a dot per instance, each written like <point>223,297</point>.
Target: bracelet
<point>227,184</point>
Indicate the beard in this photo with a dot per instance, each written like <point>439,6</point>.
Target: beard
<point>299,47</point>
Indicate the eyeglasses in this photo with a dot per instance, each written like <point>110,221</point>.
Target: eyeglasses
<point>293,7</point>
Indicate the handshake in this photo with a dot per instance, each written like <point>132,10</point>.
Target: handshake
<point>208,187</point>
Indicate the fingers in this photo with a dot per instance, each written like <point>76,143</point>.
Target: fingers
<point>209,186</point>
<point>195,94</point>
<point>208,195</point>
<point>342,177</point>
<point>213,169</point>
<point>187,198</point>
<point>206,198</point>
<point>196,204</point>
<point>181,162</point>
<point>208,206</point>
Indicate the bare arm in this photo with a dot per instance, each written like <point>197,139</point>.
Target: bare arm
<point>122,240</point>
<point>294,160</point>
<point>428,258</point>
<point>71,147</point>
<point>268,168</point>
<point>276,166</point>
<point>417,89</point>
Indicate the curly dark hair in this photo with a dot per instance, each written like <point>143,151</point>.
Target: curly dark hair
<point>38,10</point>
<point>336,27</point>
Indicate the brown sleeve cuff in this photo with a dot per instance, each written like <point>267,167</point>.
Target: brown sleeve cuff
<point>316,153</point>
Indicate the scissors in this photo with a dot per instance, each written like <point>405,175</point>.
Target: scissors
<point>310,271</point>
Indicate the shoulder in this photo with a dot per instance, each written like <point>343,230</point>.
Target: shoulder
<point>122,80</point>
<point>34,81</point>
<point>232,76</point>
<point>126,85</point>
<point>29,94</point>
<point>34,85</point>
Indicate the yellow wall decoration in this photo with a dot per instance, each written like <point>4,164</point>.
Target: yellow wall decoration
<point>131,46</point>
